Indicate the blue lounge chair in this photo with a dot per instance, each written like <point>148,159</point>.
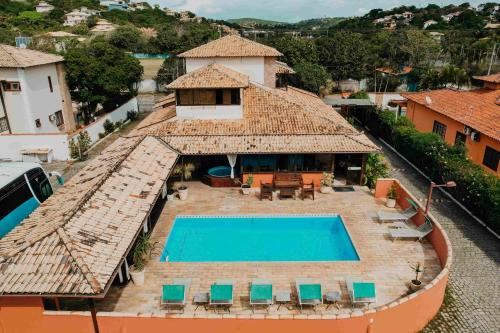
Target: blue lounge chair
<point>261,293</point>
<point>221,294</point>
<point>175,294</point>
<point>404,231</point>
<point>408,213</point>
<point>361,292</point>
<point>309,292</point>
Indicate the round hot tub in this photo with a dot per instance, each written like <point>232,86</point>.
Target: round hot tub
<point>219,176</point>
<point>220,171</point>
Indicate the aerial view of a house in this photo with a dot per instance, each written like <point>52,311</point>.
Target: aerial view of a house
<point>242,167</point>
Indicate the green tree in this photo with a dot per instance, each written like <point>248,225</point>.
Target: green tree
<point>344,55</point>
<point>170,70</point>
<point>127,37</point>
<point>376,167</point>
<point>101,73</point>
<point>420,48</point>
<point>296,50</point>
<point>312,76</point>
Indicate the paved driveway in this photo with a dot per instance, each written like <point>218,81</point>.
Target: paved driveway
<point>472,302</point>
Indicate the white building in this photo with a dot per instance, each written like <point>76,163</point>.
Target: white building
<point>35,101</point>
<point>44,7</point>
<point>78,16</point>
<point>448,17</point>
<point>429,23</point>
<point>102,26</point>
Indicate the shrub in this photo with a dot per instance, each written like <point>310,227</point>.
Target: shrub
<point>79,145</point>
<point>101,135</point>
<point>109,127</point>
<point>375,168</point>
<point>131,115</point>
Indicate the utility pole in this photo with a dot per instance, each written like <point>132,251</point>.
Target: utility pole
<point>493,54</point>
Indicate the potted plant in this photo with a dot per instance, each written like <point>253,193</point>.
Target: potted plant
<point>186,172</point>
<point>142,251</point>
<point>415,284</point>
<point>170,194</point>
<point>245,188</point>
<point>326,183</point>
<point>392,195</point>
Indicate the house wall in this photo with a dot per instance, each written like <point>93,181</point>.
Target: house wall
<point>407,314</point>
<point>210,111</point>
<point>251,66</point>
<point>34,101</point>
<point>270,72</point>
<point>12,144</point>
<point>423,118</point>
<point>382,99</point>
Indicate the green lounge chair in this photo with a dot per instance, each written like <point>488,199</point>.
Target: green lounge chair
<point>175,294</point>
<point>408,213</point>
<point>221,294</point>
<point>361,292</point>
<point>261,293</point>
<point>407,232</point>
<point>308,292</point>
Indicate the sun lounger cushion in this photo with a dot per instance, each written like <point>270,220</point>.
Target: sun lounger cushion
<point>221,292</point>
<point>173,293</point>
<point>261,292</point>
<point>309,292</point>
<point>364,289</point>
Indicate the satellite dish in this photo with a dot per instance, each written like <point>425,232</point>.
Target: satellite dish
<point>428,100</point>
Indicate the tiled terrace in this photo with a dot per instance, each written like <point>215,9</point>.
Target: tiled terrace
<point>383,261</point>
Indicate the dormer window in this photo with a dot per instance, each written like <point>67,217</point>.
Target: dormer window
<point>199,97</point>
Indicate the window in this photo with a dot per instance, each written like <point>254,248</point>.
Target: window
<point>13,195</point>
<point>11,86</point>
<point>59,118</point>
<point>460,139</point>
<point>38,123</point>
<point>439,129</point>
<point>208,97</point>
<point>39,183</point>
<point>491,157</point>
<point>50,84</point>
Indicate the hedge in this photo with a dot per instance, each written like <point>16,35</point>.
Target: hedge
<point>476,189</point>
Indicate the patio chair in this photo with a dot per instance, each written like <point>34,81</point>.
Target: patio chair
<point>407,232</point>
<point>308,292</point>
<point>307,189</point>
<point>175,294</point>
<point>360,291</point>
<point>261,293</point>
<point>405,215</point>
<point>266,191</point>
<point>221,294</point>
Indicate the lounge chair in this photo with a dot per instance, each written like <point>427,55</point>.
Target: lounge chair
<point>360,291</point>
<point>175,294</point>
<point>221,294</point>
<point>261,293</point>
<point>308,292</point>
<point>405,215</point>
<point>412,233</point>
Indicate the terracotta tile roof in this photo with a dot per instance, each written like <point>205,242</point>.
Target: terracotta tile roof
<point>164,101</point>
<point>75,248</point>
<point>271,117</point>
<point>283,68</point>
<point>474,108</point>
<point>493,78</point>
<point>211,76</point>
<point>231,46</point>
<point>13,57</point>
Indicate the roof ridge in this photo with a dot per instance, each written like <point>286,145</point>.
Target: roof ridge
<point>79,260</point>
<point>65,220</point>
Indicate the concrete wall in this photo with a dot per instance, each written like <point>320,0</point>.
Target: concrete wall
<point>424,118</point>
<point>119,114</point>
<point>407,314</point>
<point>12,144</point>
<point>210,112</point>
<point>270,72</point>
<point>251,66</point>
<point>34,101</point>
<point>382,99</point>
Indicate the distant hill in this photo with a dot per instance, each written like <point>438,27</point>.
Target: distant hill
<point>319,23</point>
<point>252,22</point>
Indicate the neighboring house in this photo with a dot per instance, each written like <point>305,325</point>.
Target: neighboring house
<point>59,39</point>
<point>448,17</point>
<point>78,16</point>
<point>490,25</point>
<point>169,12</point>
<point>102,26</point>
<point>462,117</point>
<point>44,7</point>
<point>228,104</point>
<point>35,101</point>
<point>429,23</point>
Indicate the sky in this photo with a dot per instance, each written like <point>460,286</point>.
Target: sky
<point>291,10</point>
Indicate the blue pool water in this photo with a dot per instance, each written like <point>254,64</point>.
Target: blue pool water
<point>258,238</point>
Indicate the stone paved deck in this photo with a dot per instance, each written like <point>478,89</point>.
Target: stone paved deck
<point>472,301</point>
<point>383,261</point>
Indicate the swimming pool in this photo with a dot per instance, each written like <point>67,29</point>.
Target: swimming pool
<point>258,238</point>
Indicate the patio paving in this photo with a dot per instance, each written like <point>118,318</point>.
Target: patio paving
<point>383,261</point>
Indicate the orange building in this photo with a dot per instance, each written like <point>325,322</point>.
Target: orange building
<point>463,117</point>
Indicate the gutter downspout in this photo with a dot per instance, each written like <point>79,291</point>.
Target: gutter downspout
<point>93,314</point>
